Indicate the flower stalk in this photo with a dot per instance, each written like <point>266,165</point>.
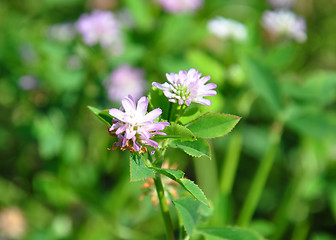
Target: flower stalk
<point>164,208</point>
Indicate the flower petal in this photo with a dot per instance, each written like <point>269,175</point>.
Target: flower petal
<point>142,106</point>
<point>150,117</point>
<point>117,113</point>
<point>128,104</point>
<point>129,134</point>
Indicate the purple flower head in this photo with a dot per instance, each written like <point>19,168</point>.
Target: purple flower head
<point>284,23</point>
<point>186,87</point>
<point>124,81</point>
<point>134,126</point>
<point>177,6</point>
<point>100,27</point>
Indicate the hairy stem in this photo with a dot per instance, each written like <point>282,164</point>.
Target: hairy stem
<point>164,208</point>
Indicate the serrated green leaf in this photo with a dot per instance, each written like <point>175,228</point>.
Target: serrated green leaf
<point>177,131</point>
<point>171,173</point>
<point>230,233</point>
<point>103,115</point>
<point>187,184</point>
<point>188,208</point>
<point>138,170</point>
<point>212,125</point>
<point>193,189</point>
<point>263,82</point>
<point>197,148</point>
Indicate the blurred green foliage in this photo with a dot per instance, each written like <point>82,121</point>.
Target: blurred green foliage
<point>55,165</point>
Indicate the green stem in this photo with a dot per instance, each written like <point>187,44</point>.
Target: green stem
<point>223,214</point>
<point>169,111</point>
<point>260,178</point>
<point>181,227</point>
<point>164,208</point>
<point>231,162</point>
<point>180,113</point>
<point>287,203</point>
<point>301,231</point>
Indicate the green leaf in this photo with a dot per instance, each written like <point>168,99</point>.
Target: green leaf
<point>212,125</point>
<point>158,100</point>
<point>178,132</point>
<point>171,173</point>
<point>139,171</point>
<point>187,184</point>
<point>319,88</point>
<point>56,191</point>
<point>197,148</point>
<point>10,192</point>
<point>188,208</point>
<point>103,115</point>
<point>230,233</point>
<point>281,56</point>
<point>311,121</point>
<point>263,82</point>
<point>194,190</point>
<point>192,112</point>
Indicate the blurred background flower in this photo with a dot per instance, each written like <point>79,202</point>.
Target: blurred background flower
<point>100,27</point>
<point>227,29</point>
<point>28,82</point>
<point>286,24</point>
<point>126,80</point>
<point>178,6</point>
<point>63,32</point>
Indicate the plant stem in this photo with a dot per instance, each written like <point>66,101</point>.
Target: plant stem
<point>164,207</point>
<point>169,111</point>
<point>181,227</point>
<point>180,113</point>
<point>288,202</point>
<point>227,176</point>
<point>260,178</point>
<point>231,162</point>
